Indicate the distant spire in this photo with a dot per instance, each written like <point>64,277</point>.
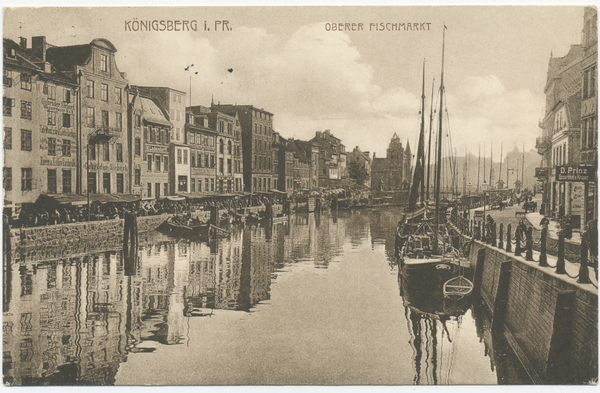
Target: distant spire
<point>212,99</point>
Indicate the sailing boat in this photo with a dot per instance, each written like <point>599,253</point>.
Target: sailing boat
<point>422,242</point>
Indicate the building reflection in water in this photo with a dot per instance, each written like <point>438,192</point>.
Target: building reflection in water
<point>72,321</point>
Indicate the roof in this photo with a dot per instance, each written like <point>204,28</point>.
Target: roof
<point>152,112</point>
<point>65,58</point>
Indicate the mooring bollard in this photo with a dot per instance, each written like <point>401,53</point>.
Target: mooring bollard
<point>508,238</point>
<point>543,257</point>
<point>518,237</point>
<point>584,274</point>
<point>560,262</point>
<point>529,245</point>
<point>500,239</point>
<point>493,235</point>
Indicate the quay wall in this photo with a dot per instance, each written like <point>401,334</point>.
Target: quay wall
<point>56,241</point>
<point>549,320</point>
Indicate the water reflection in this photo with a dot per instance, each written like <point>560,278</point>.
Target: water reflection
<point>74,321</point>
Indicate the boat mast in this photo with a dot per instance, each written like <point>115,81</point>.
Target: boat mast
<point>418,184</point>
<point>429,147</point>
<point>439,151</point>
<point>478,168</point>
<point>523,169</point>
<point>491,163</point>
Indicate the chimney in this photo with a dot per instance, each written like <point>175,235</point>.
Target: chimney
<point>373,155</point>
<point>38,46</point>
<point>23,42</point>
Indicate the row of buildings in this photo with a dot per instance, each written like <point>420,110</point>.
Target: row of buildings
<point>570,129</point>
<point>73,124</point>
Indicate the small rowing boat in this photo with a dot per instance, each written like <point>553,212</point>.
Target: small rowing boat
<point>458,287</point>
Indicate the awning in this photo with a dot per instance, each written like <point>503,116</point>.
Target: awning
<point>278,191</point>
<point>61,199</point>
<point>128,197</point>
<point>175,198</point>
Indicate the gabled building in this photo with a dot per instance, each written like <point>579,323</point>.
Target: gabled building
<point>202,143</point>
<point>560,140</point>
<point>393,171</point>
<point>40,126</point>
<point>101,130</point>
<point>151,134</point>
<point>229,151</point>
<point>331,158</point>
<point>362,160</point>
<point>173,103</point>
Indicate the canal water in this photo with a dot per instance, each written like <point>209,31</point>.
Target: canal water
<point>316,300</point>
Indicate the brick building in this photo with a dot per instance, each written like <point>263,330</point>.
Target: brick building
<point>393,171</point>
<point>40,126</point>
<point>202,143</point>
<point>229,160</point>
<point>331,159</point>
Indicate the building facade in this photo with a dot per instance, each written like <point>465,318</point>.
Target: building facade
<point>560,141</point>
<point>589,110</point>
<point>362,160</point>
<point>202,143</point>
<point>257,152</point>
<point>393,171</point>
<point>101,130</point>
<point>331,158</point>
<point>40,126</point>
<point>173,102</point>
<point>228,153</point>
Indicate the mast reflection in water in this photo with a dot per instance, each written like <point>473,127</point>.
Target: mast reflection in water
<point>314,300</point>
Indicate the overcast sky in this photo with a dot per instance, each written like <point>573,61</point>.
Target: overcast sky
<point>362,85</point>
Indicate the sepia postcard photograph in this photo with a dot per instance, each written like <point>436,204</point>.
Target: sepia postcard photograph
<point>300,195</point>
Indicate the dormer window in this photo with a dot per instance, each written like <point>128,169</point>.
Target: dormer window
<point>13,53</point>
<point>103,63</point>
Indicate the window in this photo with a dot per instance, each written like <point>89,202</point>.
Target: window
<point>179,156</point>
<point>221,165</point>
<point>221,146</point>
<point>119,152</point>
<point>166,163</point>
<point>106,183</point>
<point>206,160</point>
<point>66,120</point>
<point>25,81</point>
<point>152,135</point>
<point>51,181</point>
<point>229,165</point>
<point>118,95</point>
<point>192,138</point>
<point>138,147</point>
<point>182,183</point>
<point>90,117</point>
<point>67,95</point>
<point>26,140</point>
<point>119,183</point>
<point>66,148</point>
<point>105,119</point>
<point>7,178</point>
<point>104,92</point>
<point>212,161</point>
<point>138,121</point>
<point>66,181</point>
<point>92,182</point>
<point>106,151</point>
<point>90,88</point>
<point>592,91</point>
<point>229,147</point>
<point>149,189</point>
<point>26,110</point>
<point>103,63</point>
<point>185,157</point>
<point>26,179</point>
<point>92,151</point>
<point>7,105</point>
<point>149,159</point>
<point>229,128</point>
<point>51,118</point>
<point>166,189</point>
<point>52,92</point>
<point>7,138</point>
<point>157,190</point>
<point>138,176</point>
<point>158,160</point>
<point>192,185</point>
<point>7,79</point>
<point>193,159</point>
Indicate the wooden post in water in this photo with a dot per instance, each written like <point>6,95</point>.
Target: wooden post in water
<point>130,243</point>
<point>529,245</point>
<point>560,262</point>
<point>584,274</point>
<point>501,238</point>
<point>493,235</point>
<point>7,268</point>
<point>543,257</point>
<point>508,238</point>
